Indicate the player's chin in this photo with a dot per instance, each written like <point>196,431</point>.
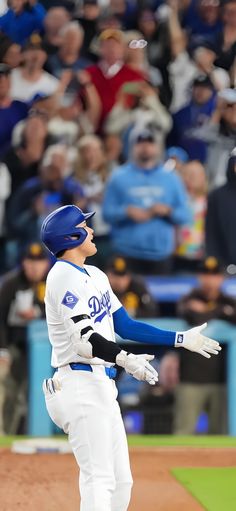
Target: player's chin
<point>93,249</point>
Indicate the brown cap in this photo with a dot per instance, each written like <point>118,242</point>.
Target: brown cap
<point>118,266</point>
<point>112,33</point>
<point>33,43</point>
<point>210,266</point>
<point>35,251</point>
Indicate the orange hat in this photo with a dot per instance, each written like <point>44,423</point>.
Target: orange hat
<point>112,33</point>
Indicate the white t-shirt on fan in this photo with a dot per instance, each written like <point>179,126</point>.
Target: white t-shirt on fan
<point>24,90</point>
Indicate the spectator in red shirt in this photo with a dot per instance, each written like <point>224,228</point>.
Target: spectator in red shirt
<point>111,73</point>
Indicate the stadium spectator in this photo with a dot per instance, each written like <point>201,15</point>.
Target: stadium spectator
<point>204,57</point>
<point>191,237</point>
<point>56,18</point>
<point>225,40</point>
<point>68,54</point>
<point>143,203</point>
<point>221,217</point>
<point>219,135</point>
<point>22,19</point>
<point>181,70</point>
<point>38,196</point>
<point>136,57</point>
<point>92,173</point>
<point>202,19</point>
<point>11,111</point>
<point>196,113</point>
<point>31,79</point>
<point>29,140</point>
<point>202,381</point>
<point>146,111</point>
<point>157,34</point>
<point>130,289</point>
<point>88,18</point>
<point>111,72</point>
<point>21,301</point>
<point>10,52</point>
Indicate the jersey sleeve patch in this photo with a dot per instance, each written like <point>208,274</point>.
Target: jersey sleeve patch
<point>70,300</point>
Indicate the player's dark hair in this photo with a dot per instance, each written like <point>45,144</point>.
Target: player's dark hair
<point>61,253</point>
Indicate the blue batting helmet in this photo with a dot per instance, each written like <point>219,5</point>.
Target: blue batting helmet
<point>59,231</point>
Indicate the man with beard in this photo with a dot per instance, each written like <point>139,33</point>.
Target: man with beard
<point>143,203</point>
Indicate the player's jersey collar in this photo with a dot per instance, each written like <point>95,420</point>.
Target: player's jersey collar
<point>72,264</point>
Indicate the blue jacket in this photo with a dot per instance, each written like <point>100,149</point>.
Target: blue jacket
<point>130,185</point>
<point>20,27</point>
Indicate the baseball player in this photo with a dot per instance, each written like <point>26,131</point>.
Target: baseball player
<point>83,315</point>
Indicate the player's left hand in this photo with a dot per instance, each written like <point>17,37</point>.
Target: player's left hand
<point>193,340</point>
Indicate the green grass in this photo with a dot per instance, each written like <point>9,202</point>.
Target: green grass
<point>175,441</point>
<point>214,488</point>
<point>158,441</point>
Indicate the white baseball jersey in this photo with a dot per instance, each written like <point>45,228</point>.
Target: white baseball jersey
<point>73,291</point>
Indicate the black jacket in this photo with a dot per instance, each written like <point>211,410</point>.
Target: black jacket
<point>221,221</point>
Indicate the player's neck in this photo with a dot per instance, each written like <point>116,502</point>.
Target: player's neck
<point>74,258</point>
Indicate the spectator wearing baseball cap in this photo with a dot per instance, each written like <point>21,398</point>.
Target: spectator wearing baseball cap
<point>21,301</point>
<point>30,78</point>
<point>202,382</point>
<point>111,73</point>
<point>143,204</point>
<point>196,113</point>
<point>130,289</point>
<point>11,111</point>
<point>175,158</point>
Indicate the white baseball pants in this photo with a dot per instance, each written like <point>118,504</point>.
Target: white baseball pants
<point>87,410</point>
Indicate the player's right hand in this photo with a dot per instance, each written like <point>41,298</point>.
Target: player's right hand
<point>138,366</point>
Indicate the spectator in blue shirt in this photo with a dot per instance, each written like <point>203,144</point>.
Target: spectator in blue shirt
<point>143,203</point>
<point>202,18</point>
<point>195,114</point>
<point>40,195</point>
<point>11,112</point>
<point>68,56</point>
<point>22,19</point>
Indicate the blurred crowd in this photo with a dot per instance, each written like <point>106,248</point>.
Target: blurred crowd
<point>127,108</point>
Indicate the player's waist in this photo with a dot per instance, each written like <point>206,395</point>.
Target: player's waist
<point>111,372</point>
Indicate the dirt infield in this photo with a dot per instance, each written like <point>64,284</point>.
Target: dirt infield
<point>48,482</point>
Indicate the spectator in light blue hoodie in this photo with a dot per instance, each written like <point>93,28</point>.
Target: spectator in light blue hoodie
<point>143,202</point>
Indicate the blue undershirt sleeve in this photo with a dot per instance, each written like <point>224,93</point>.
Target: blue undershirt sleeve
<point>129,328</point>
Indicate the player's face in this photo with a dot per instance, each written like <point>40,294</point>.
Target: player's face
<point>88,247</point>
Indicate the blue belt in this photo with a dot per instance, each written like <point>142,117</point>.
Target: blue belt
<point>111,372</point>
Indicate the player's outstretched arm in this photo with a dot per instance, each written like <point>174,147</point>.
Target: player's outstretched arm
<point>191,339</point>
